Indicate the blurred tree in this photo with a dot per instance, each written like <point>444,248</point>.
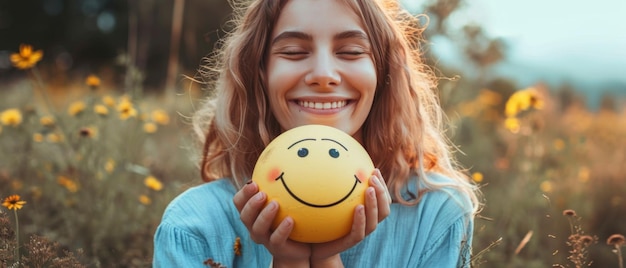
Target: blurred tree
<point>80,36</point>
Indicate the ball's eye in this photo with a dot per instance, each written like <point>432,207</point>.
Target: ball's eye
<point>333,153</point>
<point>302,152</point>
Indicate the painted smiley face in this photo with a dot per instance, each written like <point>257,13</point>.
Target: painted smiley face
<point>318,175</point>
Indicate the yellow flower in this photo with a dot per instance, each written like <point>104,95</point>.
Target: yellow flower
<point>149,127</point>
<point>38,137</point>
<point>101,109</point>
<point>584,174</point>
<point>76,108</point>
<point>46,121</point>
<point>477,177</point>
<point>92,81</point>
<point>68,183</point>
<point>109,166</point>
<point>488,97</point>
<point>108,101</point>
<point>523,100</point>
<point>11,117</point>
<point>153,183</point>
<point>26,58</point>
<point>546,186</point>
<point>88,132</point>
<point>126,109</point>
<point>512,124</point>
<point>53,137</point>
<point>13,202</point>
<point>160,117</point>
<point>144,199</point>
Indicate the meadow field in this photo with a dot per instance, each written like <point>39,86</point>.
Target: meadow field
<point>88,166</point>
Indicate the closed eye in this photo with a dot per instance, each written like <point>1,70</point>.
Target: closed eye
<point>293,55</point>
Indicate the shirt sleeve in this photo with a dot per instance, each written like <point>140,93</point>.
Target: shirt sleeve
<point>174,247</point>
<point>452,248</point>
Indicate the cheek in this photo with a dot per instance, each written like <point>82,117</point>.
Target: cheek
<point>362,175</point>
<point>273,174</point>
<point>362,75</point>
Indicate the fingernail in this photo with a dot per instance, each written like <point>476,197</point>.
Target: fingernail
<point>272,206</point>
<point>258,196</point>
<point>371,192</point>
<point>375,180</point>
<point>248,182</point>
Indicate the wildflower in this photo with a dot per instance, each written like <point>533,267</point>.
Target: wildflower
<point>109,166</point>
<point>584,174</point>
<point>76,108</point>
<point>569,212</point>
<point>489,97</point>
<point>144,199</point>
<point>546,186</point>
<point>46,121</point>
<point>126,109</point>
<point>37,137</point>
<point>153,183</point>
<point>101,109</point>
<point>26,58</point>
<point>68,183</point>
<point>586,239</point>
<point>512,124</point>
<point>477,177</point>
<point>616,240</point>
<point>108,101</point>
<point>53,137</point>
<point>13,202</point>
<point>92,81</point>
<point>160,117</point>
<point>11,117</point>
<point>88,132</point>
<point>521,101</point>
<point>149,127</point>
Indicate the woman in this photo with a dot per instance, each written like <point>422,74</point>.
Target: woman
<point>350,64</point>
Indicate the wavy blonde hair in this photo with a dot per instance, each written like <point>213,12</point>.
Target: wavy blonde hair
<point>403,133</point>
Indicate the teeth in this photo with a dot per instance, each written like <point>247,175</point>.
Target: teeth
<point>322,105</point>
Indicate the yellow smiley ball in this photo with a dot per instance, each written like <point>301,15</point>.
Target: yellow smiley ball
<point>318,175</point>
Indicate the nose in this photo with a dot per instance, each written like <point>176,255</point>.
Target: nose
<point>323,72</point>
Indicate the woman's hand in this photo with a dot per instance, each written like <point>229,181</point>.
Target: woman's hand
<point>258,218</point>
<point>366,219</point>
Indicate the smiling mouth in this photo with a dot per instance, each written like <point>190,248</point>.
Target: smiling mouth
<point>282,179</point>
<point>323,105</point>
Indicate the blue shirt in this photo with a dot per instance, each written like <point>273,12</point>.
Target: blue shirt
<point>202,225</point>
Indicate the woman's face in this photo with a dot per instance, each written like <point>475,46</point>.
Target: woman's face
<point>320,69</point>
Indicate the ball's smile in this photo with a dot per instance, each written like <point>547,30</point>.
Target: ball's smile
<point>282,179</point>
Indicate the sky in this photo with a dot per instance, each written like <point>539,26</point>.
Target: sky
<point>563,39</point>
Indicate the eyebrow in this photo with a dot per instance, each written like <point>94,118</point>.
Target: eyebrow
<point>307,37</point>
<point>344,147</point>
<point>299,142</point>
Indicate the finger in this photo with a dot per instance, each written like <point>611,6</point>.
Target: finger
<point>242,196</point>
<point>371,210</point>
<point>382,198</point>
<point>252,208</point>
<point>380,178</point>
<point>357,232</point>
<point>263,224</point>
<point>282,232</point>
